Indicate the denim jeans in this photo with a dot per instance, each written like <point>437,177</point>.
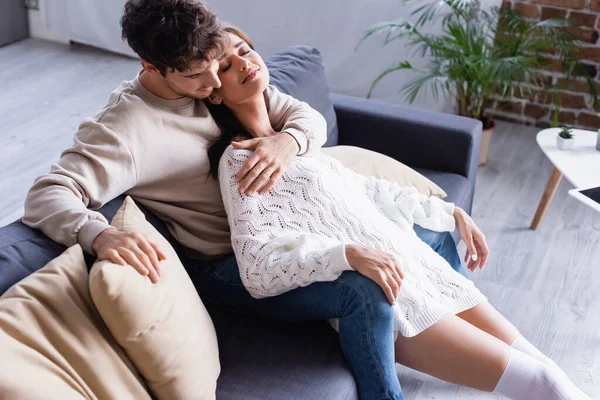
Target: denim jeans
<point>443,244</point>
<point>365,315</point>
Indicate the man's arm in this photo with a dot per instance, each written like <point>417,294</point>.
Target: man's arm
<point>297,118</point>
<point>96,169</point>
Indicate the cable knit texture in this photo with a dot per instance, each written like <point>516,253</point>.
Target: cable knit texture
<point>295,234</point>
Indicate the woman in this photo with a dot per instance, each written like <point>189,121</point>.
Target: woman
<point>319,217</point>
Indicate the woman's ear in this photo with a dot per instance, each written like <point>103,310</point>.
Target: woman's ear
<point>215,99</point>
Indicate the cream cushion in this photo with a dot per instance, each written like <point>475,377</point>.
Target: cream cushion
<point>164,327</point>
<point>370,163</point>
<point>53,343</point>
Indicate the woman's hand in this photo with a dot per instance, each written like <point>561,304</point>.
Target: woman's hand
<point>272,157</point>
<point>477,248</point>
<point>379,266</point>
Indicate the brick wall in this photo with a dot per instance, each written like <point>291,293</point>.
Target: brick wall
<point>577,106</point>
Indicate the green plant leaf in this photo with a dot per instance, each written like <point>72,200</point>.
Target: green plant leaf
<point>399,66</point>
<point>433,79</point>
<point>388,28</point>
<point>429,11</point>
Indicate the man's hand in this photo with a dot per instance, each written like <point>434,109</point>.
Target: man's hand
<point>272,156</point>
<point>477,248</point>
<point>379,266</point>
<point>130,248</point>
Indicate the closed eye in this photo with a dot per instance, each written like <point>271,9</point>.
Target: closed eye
<point>226,67</point>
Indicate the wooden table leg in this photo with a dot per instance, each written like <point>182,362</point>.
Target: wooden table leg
<point>549,192</point>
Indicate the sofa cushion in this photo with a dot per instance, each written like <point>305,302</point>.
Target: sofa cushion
<point>455,185</point>
<point>371,163</point>
<point>299,72</point>
<point>163,327</point>
<point>263,359</point>
<point>54,344</point>
<point>22,251</point>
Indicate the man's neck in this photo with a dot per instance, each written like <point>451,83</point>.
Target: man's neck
<point>157,87</point>
<point>254,116</point>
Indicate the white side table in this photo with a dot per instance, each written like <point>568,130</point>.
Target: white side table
<point>581,166</point>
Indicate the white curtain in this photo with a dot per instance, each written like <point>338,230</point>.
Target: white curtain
<point>332,26</point>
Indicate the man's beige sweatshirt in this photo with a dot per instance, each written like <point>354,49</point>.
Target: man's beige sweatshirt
<point>154,150</point>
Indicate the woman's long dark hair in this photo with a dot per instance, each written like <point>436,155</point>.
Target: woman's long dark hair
<point>230,126</point>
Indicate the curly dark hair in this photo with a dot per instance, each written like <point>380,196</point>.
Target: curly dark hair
<point>172,34</point>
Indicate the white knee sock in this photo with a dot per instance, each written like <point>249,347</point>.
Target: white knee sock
<point>523,345</point>
<point>526,378</point>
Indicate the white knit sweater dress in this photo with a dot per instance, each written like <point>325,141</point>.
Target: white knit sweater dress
<point>295,234</point>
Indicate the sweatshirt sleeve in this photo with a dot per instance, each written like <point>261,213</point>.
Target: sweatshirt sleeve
<point>289,115</point>
<point>96,169</point>
<point>405,205</point>
<point>274,254</point>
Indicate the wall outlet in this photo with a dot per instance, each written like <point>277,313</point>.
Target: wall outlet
<point>32,4</point>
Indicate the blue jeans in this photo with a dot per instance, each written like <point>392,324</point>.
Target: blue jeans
<point>365,315</point>
<point>443,244</point>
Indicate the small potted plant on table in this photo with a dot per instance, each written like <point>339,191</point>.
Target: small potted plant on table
<point>565,140</point>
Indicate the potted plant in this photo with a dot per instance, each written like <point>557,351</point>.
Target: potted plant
<point>478,57</point>
<point>565,140</point>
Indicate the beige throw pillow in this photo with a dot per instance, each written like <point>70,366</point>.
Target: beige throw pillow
<point>164,327</point>
<point>53,344</point>
<point>370,163</point>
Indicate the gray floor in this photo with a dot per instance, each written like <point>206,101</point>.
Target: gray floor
<point>546,282</point>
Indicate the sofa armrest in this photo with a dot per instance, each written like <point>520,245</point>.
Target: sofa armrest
<point>418,138</point>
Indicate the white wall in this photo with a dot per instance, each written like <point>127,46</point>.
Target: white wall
<point>39,26</point>
<point>332,26</point>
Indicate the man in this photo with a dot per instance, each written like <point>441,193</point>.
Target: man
<point>150,142</point>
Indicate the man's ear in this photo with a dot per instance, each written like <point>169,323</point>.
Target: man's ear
<point>149,67</point>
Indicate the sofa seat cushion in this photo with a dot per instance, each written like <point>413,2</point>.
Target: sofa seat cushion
<point>271,360</point>
<point>455,185</point>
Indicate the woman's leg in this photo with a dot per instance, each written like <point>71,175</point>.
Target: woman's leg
<point>455,351</point>
<point>365,317</point>
<point>485,317</point>
<point>458,352</point>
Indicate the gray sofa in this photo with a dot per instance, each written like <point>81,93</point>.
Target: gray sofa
<point>264,359</point>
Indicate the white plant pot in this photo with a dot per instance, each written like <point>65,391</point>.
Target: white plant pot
<point>565,144</point>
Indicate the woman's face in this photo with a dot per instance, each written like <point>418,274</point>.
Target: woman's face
<point>242,72</point>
